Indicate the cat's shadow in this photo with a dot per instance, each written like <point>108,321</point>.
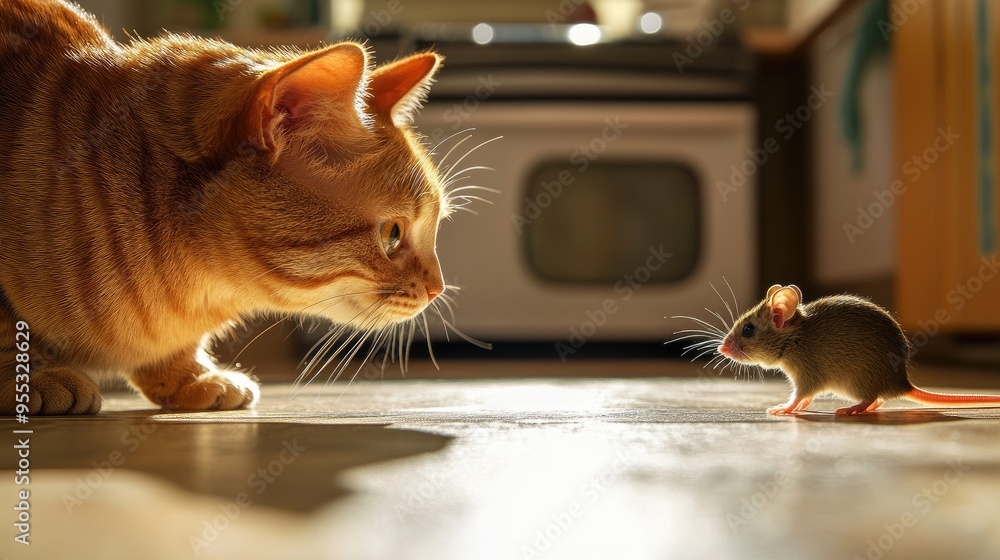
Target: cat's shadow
<point>288,465</point>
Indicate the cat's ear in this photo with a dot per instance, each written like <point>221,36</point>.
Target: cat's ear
<point>308,91</point>
<point>398,89</point>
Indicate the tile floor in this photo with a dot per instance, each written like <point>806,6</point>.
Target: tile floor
<point>560,468</point>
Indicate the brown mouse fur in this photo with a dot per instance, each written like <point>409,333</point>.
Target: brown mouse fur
<point>841,344</point>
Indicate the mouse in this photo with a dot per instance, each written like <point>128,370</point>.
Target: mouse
<point>841,344</point>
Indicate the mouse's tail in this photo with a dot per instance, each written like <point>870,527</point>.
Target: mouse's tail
<point>945,399</point>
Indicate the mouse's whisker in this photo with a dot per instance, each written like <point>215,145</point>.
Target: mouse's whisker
<point>732,293</point>
<point>708,351</point>
<point>724,302</point>
<point>690,336</point>
<point>703,344</point>
<point>716,359</point>
<point>721,320</point>
<point>701,322</point>
<point>701,331</point>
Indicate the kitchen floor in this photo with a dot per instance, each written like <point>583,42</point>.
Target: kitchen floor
<point>510,468</point>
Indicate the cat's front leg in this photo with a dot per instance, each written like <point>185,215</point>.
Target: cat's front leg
<point>184,382</point>
<point>30,376</point>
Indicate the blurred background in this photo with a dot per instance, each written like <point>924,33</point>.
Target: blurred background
<point>662,157</point>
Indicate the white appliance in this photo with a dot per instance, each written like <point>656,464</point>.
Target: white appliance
<point>611,216</point>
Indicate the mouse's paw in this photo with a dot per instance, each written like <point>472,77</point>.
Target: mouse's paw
<point>790,407</point>
<point>864,407</point>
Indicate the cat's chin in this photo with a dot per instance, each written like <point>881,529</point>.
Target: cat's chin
<point>368,315</point>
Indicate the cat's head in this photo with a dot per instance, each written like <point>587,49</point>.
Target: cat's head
<point>336,211</point>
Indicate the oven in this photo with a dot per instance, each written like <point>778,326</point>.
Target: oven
<point>624,185</point>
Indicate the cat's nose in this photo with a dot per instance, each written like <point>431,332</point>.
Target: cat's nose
<point>434,288</point>
<point>432,292</point>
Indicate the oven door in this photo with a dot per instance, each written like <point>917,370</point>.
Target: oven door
<point>610,217</point>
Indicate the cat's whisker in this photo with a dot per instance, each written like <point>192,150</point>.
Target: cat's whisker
<point>427,335</point>
<point>300,311</point>
<point>409,345</point>
<point>467,338</point>
<point>471,197</point>
<point>374,348</point>
<point>447,138</point>
<point>447,154</point>
<point>437,311</point>
<point>466,170</point>
<point>464,208</point>
<point>490,190</point>
<point>331,339</point>
<point>446,300</point>
<point>364,331</point>
<point>451,167</point>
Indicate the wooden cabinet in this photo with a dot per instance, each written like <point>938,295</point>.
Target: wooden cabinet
<point>946,60</point>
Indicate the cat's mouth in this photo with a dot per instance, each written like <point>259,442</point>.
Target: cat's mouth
<point>385,309</point>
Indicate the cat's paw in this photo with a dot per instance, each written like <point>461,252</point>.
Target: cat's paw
<point>215,390</point>
<point>55,390</point>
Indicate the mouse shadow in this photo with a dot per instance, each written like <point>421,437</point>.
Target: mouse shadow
<point>895,417</point>
<point>298,464</point>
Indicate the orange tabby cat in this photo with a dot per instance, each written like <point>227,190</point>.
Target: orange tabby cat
<point>154,192</point>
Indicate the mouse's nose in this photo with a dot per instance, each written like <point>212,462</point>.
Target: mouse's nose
<point>725,348</point>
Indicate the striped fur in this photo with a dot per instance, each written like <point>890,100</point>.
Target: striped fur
<point>154,193</point>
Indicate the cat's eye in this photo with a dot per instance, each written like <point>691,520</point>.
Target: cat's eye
<point>749,330</point>
<point>392,235</point>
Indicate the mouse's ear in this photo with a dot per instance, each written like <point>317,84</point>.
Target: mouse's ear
<point>784,302</point>
<point>771,290</point>
<point>797,291</point>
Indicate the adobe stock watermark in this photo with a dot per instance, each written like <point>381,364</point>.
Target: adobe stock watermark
<point>131,441</point>
<point>230,511</point>
<point>625,288</point>
<point>563,11</point>
<point>420,496</point>
<point>901,12</point>
<point>921,502</point>
<point>712,29</point>
<point>762,495</point>
<point>581,159</point>
<point>913,169</point>
<point>786,127</point>
<point>958,297</point>
<point>562,521</point>
<point>380,19</point>
<point>456,115</point>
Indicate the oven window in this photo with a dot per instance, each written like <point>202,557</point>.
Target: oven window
<point>601,224</point>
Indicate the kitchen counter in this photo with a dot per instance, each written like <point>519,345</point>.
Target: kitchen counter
<point>672,467</point>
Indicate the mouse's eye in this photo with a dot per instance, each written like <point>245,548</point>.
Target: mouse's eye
<point>749,330</point>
